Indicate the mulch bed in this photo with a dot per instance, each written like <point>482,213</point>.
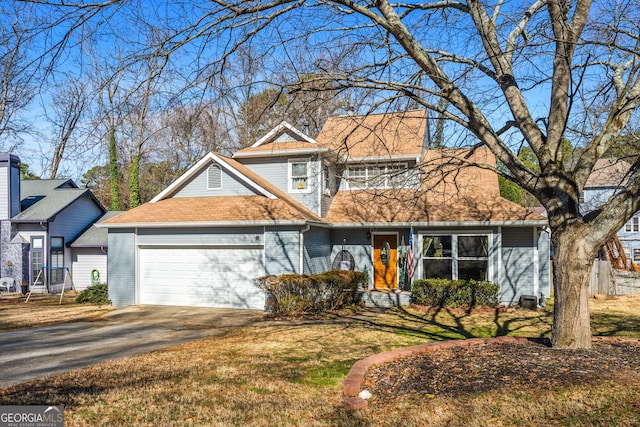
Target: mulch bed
<point>501,366</point>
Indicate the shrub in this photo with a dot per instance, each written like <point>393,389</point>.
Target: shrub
<point>95,294</point>
<point>454,293</point>
<point>291,294</point>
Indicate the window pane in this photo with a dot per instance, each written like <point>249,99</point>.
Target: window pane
<point>472,269</point>
<point>299,169</point>
<point>473,246</point>
<point>436,246</point>
<point>56,242</point>
<point>300,183</point>
<point>36,265</point>
<point>436,268</point>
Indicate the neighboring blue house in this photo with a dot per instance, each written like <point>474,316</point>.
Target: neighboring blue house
<point>362,190</point>
<point>38,218</point>
<point>607,178</point>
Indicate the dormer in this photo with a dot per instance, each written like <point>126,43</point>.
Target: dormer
<point>292,161</point>
<point>378,150</point>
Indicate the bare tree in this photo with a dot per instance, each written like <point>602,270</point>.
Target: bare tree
<point>512,74</point>
<point>18,73</point>
<point>68,106</point>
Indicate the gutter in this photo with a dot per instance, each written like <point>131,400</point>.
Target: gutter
<point>216,224</point>
<point>280,153</point>
<point>516,223</point>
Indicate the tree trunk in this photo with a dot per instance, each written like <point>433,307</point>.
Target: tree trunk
<point>134,182</point>
<point>572,261</point>
<point>114,175</point>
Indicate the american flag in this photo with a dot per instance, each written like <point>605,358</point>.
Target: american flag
<point>410,260</point>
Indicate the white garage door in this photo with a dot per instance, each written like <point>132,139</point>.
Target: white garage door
<point>204,277</point>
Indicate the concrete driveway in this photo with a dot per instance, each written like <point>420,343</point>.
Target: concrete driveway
<point>35,353</point>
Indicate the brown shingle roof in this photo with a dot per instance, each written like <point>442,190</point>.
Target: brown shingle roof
<point>391,206</point>
<point>221,208</point>
<point>279,146</point>
<point>467,171</point>
<point>375,135</point>
<point>608,172</point>
<point>211,209</point>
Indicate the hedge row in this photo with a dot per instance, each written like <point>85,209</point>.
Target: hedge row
<point>292,294</point>
<point>454,293</point>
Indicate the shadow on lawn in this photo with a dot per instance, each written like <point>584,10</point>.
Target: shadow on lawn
<point>442,323</point>
<point>615,324</point>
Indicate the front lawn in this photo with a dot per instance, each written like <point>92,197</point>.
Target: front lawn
<point>290,373</point>
<point>44,310</point>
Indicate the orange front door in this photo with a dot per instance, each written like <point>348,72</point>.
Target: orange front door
<point>385,261</point>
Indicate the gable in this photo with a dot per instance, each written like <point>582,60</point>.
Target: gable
<point>212,181</point>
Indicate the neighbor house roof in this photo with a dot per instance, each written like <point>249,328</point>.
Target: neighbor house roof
<point>94,237</point>
<point>43,199</point>
<point>609,173</point>
<point>388,135</point>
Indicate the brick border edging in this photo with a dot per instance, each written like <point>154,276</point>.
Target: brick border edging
<point>352,384</point>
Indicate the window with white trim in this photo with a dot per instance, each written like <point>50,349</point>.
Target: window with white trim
<point>214,177</point>
<point>394,175</point>
<point>633,226</point>
<point>636,255</point>
<point>457,257</point>
<point>299,175</point>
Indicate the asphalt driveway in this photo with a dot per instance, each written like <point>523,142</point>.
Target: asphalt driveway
<point>35,353</point>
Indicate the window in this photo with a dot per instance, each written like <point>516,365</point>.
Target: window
<point>328,182</point>
<point>393,175</point>
<point>57,260</point>
<point>214,177</point>
<point>299,173</point>
<point>437,259</point>
<point>473,257</point>
<point>636,255</point>
<point>455,257</point>
<point>633,225</point>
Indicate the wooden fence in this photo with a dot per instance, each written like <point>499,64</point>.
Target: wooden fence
<point>608,281</point>
<point>602,279</point>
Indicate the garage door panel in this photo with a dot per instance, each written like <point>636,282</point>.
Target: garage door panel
<point>207,277</point>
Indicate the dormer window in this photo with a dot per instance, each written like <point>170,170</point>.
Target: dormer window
<point>214,177</point>
<point>381,176</point>
<point>299,175</point>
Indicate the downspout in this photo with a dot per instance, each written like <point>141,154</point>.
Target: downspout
<point>536,262</point>
<point>303,230</point>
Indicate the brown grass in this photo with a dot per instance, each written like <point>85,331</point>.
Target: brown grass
<point>290,373</point>
<point>44,310</point>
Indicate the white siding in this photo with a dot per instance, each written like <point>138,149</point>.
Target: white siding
<point>84,261</point>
